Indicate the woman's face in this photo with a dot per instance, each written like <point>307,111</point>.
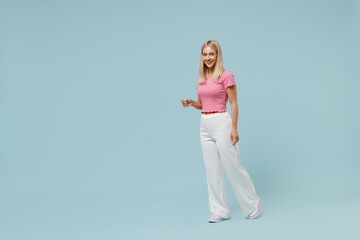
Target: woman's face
<point>209,57</point>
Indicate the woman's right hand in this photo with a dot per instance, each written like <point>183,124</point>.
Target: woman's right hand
<point>187,102</point>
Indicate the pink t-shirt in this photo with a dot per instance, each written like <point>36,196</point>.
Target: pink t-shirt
<point>213,95</point>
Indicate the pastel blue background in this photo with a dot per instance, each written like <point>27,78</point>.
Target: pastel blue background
<point>95,143</point>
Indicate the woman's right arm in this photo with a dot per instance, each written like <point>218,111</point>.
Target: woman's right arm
<point>189,102</point>
<point>197,104</point>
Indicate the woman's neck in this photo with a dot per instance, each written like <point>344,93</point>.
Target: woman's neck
<point>211,71</point>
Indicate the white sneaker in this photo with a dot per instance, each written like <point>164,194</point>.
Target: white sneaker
<point>217,219</point>
<point>255,213</point>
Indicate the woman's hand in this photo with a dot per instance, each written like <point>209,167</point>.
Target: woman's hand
<point>234,136</point>
<point>187,102</point>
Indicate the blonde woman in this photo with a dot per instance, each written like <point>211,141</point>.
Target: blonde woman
<point>219,136</point>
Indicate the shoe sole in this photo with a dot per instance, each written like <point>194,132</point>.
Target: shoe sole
<point>215,221</point>
<point>257,213</point>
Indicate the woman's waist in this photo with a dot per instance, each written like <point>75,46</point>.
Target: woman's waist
<point>210,108</point>
<point>213,115</point>
<point>212,112</point>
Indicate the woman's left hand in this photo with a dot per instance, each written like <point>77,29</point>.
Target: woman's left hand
<point>234,136</point>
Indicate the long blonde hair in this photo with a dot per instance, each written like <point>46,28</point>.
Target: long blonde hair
<point>219,66</point>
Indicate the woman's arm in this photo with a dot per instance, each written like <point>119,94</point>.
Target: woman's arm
<point>231,92</point>
<point>189,102</point>
<point>198,104</point>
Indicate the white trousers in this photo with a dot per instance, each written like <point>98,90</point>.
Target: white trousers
<point>218,152</point>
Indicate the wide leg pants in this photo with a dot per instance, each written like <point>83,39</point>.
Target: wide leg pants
<point>218,153</point>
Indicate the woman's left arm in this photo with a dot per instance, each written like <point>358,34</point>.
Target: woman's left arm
<point>231,92</point>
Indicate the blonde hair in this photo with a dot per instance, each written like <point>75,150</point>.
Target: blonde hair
<point>219,66</point>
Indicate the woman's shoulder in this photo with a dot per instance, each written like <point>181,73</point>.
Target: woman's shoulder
<point>227,79</point>
<point>226,74</point>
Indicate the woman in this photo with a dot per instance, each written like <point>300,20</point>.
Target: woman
<point>219,136</point>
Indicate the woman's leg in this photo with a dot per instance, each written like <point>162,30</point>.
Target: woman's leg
<point>230,158</point>
<point>218,203</point>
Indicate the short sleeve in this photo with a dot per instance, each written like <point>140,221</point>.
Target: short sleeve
<point>228,79</point>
